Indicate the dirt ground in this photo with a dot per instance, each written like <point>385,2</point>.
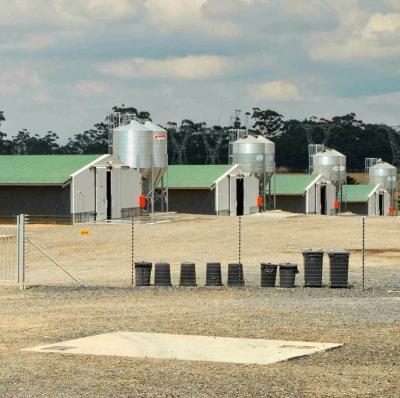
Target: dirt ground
<point>55,309</point>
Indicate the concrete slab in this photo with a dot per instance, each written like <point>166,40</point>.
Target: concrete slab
<point>189,348</point>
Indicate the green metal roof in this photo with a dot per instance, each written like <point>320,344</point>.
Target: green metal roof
<point>41,169</point>
<point>194,176</point>
<point>356,193</point>
<point>291,184</point>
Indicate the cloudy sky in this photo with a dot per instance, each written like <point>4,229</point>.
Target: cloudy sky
<point>65,63</point>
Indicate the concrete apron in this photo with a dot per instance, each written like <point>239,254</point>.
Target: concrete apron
<point>189,348</point>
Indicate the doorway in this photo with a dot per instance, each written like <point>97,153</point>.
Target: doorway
<point>381,204</point>
<point>239,196</point>
<point>323,200</point>
<point>108,190</point>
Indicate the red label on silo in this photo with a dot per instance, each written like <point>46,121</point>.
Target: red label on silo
<point>159,137</point>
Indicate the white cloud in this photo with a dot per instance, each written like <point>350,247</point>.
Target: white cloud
<point>277,90</point>
<point>395,4</point>
<point>381,24</point>
<point>355,49</point>
<point>181,15</point>
<point>65,11</point>
<point>174,12</point>
<point>13,81</point>
<point>30,43</point>
<point>361,35</point>
<point>90,88</point>
<point>192,67</point>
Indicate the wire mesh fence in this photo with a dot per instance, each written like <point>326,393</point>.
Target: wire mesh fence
<point>103,254</point>
<point>8,252</point>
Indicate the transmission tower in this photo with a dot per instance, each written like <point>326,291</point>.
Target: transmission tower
<point>179,146</point>
<point>212,151</point>
<point>393,134</point>
<point>313,148</point>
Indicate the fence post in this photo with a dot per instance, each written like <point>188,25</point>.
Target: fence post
<point>21,250</point>
<point>240,241</point>
<point>133,251</point>
<point>363,253</point>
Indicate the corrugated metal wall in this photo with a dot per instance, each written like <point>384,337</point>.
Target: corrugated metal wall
<point>46,201</point>
<point>197,201</point>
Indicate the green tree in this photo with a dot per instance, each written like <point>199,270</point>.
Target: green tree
<point>5,144</point>
<point>267,122</point>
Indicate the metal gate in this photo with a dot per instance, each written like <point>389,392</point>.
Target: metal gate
<point>12,251</point>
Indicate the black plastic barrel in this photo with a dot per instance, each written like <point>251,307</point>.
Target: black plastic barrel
<point>143,273</point>
<point>235,275</point>
<point>339,268</point>
<point>313,263</point>
<point>268,274</point>
<point>213,274</point>
<point>287,274</point>
<point>188,275</point>
<point>162,274</point>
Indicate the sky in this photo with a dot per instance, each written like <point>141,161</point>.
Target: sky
<point>65,63</point>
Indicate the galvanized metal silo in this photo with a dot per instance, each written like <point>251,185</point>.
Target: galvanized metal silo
<point>269,153</point>
<point>385,174</point>
<point>133,145</point>
<point>249,152</point>
<point>160,145</point>
<point>331,165</point>
<point>256,155</point>
<point>156,181</point>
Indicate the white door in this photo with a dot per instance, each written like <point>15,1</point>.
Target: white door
<point>317,205</point>
<point>101,194</point>
<point>116,190</point>
<point>251,191</point>
<point>330,198</point>
<point>232,195</point>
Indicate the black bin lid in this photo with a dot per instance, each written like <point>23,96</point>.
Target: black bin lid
<point>143,264</point>
<point>313,251</point>
<point>269,265</point>
<point>288,265</point>
<point>339,252</point>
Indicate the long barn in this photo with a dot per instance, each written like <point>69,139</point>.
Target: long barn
<point>70,188</point>
<point>212,189</point>
<point>302,193</point>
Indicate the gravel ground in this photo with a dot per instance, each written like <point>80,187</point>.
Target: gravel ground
<point>368,323</point>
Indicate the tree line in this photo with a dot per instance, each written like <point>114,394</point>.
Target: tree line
<point>192,142</point>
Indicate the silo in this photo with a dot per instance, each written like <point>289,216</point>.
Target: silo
<point>269,153</point>
<point>160,147</point>
<point>331,165</point>
<point>156,180</point>
<point>385,174</point>
<point>133,145</point>
<point>256,155</point>
<point>250,154</point>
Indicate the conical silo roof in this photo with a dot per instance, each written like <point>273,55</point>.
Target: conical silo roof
<point>330,152</point>
<point>383,165</point>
